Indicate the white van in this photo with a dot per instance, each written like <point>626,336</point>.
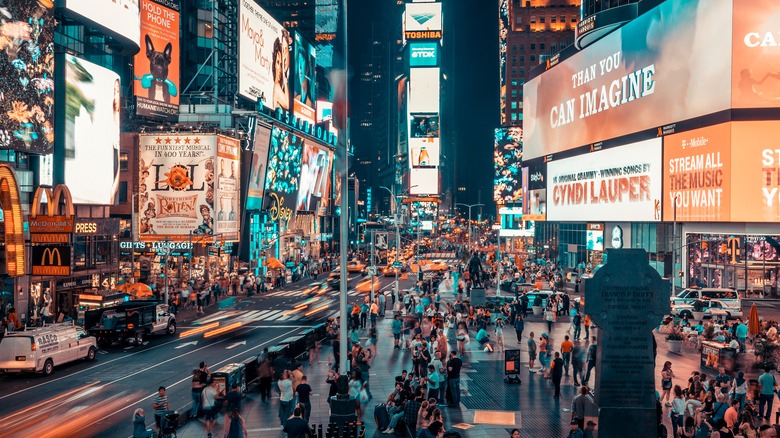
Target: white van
<point>724,295</point>
<point>40,349</point>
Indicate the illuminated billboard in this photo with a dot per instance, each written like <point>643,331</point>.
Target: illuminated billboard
<point>425,125</point>
<point>507,162</point>
<point>424,181</point>
<point>617,184</point>
<point>503,31</point>
<point>256,187</point>
<point>226,205</point>
<point>424,152</point>
<point>304,80</point>
<point>27,107</point>
<point>119,18</point>
<point>326,17</point>
<point>264,58</point>
<point>156,66</point>
<point>283,176</point>
<point>534,188</point>
<point>92,126</point>
<point>424,90</point>
<point>176,174</point>
<point>423,17</point>
<point>622,84</point>
<point>424,54</point>
<point>755,75</point>
<point>315,170</point>
<point>755,167</point>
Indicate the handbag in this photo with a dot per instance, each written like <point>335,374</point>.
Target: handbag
<point>363,396</point>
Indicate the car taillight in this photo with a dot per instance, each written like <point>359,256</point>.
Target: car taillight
<point>131,326</point>
<point>34,347</point>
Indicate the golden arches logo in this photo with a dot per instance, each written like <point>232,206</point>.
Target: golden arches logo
<point>52,253</point>
<point>13,222</point>
<point>53,198</point>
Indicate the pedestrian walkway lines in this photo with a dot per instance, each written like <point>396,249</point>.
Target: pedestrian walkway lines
<point>284,293</point>
<point>253,315</point>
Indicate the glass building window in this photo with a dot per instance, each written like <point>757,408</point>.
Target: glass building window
<point>123,161</point>
<point>80,251</point>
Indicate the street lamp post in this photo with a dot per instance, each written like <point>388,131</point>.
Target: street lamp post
<point>469,206</point>
<point>394,207</point>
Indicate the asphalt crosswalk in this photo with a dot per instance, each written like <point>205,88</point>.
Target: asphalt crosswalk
<point>298,293</point>
<point>278,315</point>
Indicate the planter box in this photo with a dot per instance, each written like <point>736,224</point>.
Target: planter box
<point>674,346</point>
<point>698,316</point>
<point>537,310</point>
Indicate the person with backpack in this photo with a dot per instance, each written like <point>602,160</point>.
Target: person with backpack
<point>576,321</point>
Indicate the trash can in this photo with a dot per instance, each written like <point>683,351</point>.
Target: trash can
<point>512,366</point>
<point>227,376</point>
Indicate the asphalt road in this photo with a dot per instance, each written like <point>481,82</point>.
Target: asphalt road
<point>98,398</point>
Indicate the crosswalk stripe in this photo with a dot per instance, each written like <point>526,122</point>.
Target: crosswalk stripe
<point>250,314</point>
<point>210,318</point>
<point>274,315</point>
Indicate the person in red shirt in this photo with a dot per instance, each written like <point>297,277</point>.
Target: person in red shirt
<point>566,348</point>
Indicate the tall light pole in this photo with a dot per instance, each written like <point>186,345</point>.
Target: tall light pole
<point>396,218</point>
<point>469,206</point>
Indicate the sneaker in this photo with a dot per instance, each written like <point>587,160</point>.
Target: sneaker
<point>389,430</point>
<point>576,385</point>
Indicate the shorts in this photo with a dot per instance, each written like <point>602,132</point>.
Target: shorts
<point>396,336</point>
<point>532,355</point>
<point>158,416</point>
<point>210,413</point>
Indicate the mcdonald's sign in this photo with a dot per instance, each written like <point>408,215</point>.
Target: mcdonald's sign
<point>52,222</point>
<point>13,223</point>
<point>51,260</point>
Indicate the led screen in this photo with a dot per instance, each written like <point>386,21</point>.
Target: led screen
<point>264,58</point>
<point>424,152</point>
<point>254,199</point>
<point>304,79</point>
<point>617,184</point>
<point>116,17</point>
<point>534,190</point>
<point>503,31</point>
<point>92,125</point>
<point>424,90</point>
<point>623,83</point>
<point>326,16</point>
<point>424,181</point>
<point>425,125</point>
<point>226,205</point>
<point>156,66</point>
<point>176,174</point>
<point>315,168</point>
<point>424,54</point>
<point>282,180</point>
<point>507,162</point>
<point>755,74</point>
<point>27,66</point>
<point>423,16</point>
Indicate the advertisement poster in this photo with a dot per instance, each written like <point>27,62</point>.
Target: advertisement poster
<point>304,80</point>
<point>92,125</point>
<point>156,66</point>
<point>264,57</point>
<point>755,162</point>
<point>535,190</point>
<point>424,181</point>
<point>403,115</point>
<point>594,237</point>
<point>507,159</point>
<point>117,17</point>
<point>425,126</point>
<point>755,75</point>
<point>617,184</point>
<point>697,175</point>
<point>424,54</point>
<point>326,18</point>
<point>282,180</point>
<point>424,90</point>
<point>503,31</point>
<point>254,199</point>
<point>27,64</point>
<point>315,170</point>
<point>424,152</point>
<point>423,16</point>
<point>176,186</point>
<point>623,84</point>
<point>227,205</point>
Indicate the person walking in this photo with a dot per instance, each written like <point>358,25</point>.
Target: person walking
<point>265,373</point>
<point>577,361</point>
<point>566,349</point>
<point>531,352</point>
<point>678,410</point>
<point>579,404</point>
<point>303,392</point>
<point>285,397</point>
<point>586,324</point>
<point>549,317</point>
<point>666,382</point>
<point>576,321</point>
<point>768,387</point>
<point>235,427</point>
<point>297,427</point>
<point>591,359</point>
<point>454,364</point>
<point>519,327</point>
<point>200,378</point>
<point>556,372</point>
<point>210,406</point>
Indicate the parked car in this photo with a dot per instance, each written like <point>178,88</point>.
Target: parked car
<point>688,296</point>
<point>712,308</point>
<point>40,350</point>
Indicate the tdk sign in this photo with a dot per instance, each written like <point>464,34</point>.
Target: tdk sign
<point>423,54</point>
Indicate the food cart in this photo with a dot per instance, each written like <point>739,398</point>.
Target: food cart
<point>716,355</point>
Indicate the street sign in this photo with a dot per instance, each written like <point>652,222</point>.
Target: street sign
<point>372,270</point>
<point>398,265</point>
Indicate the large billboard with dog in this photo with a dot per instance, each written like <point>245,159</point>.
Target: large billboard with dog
<point>157,64</point>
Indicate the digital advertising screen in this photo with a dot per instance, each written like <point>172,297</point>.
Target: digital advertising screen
<point>424,90</point>
<point>424,152</point>
<point>535,190</point>
<point>304,79</point>
<point>283,178</point>
<point>424,181</point>
<point>503,31</point>
<point>256,190</point>
<point>264,57</point>
<point>697,175</point>
<point>92,126</point>
<point>594,237</point>
<point>227,190</point>
<point>115,17</point>
<point>616,184</point>
<point>755,75</point>
<point>755,167</point>
<point>423,17</point>
<point>315,171</point>
<point>424,54</point>
<point>27,107</point>
<point>156,66</point>
<point>326,18</point>
<point>622,84</point>
<point>425,125</point>
<point>176,177</point>
<point>324,111</point>
<point>402,94</point>
<point>507,162</point>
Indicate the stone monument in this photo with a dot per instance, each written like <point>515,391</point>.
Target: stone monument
<point>626,298</point>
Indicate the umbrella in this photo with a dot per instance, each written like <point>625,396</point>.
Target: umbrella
<point>138,290</point>
<point>753,323</point>
<point>273,263</point>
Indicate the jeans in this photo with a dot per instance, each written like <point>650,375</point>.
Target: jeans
<point>454,385</point>
<point>677,422</point>
<point>307,411</point>
<point>373,320</point>
<point>519,334</point>
<point>765,399</point>
<point>591,365</point>
<point>566,362</point>
<point>577,372</point>
<point>741,399</point>
<point>194,410</point>
<point>577,331</point>
<point>265,389</point>
<point>433,393</point>
<point>394,419</point>
<point>285,409</point>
